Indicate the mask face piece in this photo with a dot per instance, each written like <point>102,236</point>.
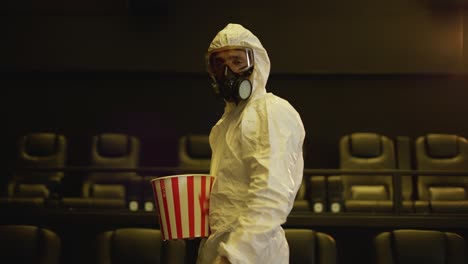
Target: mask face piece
<point>229,68</point>
<point>233,87</point>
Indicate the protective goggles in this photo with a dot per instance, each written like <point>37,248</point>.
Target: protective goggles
<point>238,59</point>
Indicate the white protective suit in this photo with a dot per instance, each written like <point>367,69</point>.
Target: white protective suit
<point>258,164</point>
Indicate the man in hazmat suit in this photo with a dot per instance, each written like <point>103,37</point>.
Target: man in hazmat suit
<point>257,156</point>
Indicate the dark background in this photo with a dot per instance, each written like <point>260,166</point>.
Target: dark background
<point>137,66</point>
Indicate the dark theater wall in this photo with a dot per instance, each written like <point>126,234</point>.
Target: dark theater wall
<point>83,67</point>
<point>159,108</point>
<point>363,36</point>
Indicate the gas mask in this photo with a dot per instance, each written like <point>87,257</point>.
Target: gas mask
<point>230,69</point>
<point>233,87</point>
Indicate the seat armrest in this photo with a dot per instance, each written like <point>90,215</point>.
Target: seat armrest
<point>148,203</point>
<point>55,188</point>
<point>134,190</point>
<point>335,194</point>
<point>318,194</point>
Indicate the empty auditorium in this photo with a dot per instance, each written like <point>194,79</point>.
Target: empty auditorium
<point>241,132</point>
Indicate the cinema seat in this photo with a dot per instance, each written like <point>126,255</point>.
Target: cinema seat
<point>301,204</point>
<point>21,244</point>
<point>419,246</point>
<point>309,247</point>
<point>442,193</point>
<point>366,193</point>
<point>35,188</point>
<point>110,190</point>
<point>194,151</point>
<point>194,154</point>
<point>139,246</point>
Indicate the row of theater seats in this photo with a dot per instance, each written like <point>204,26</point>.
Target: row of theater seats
<point>98,189</point>
<point>335,193</point>
<point>375,193</point>
<point>30,187</point>
<point>438,192</point>
<point>32,244</point>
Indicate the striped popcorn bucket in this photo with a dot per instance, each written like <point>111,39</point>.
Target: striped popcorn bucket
<point>182,205</point>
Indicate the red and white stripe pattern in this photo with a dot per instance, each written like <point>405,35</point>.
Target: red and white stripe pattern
<point>182,202</point>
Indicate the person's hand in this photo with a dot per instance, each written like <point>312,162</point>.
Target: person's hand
<point>221,260</point>
<point>224,260</point>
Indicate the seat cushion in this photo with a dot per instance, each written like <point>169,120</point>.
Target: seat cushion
<point>41,144</point>
<point>198,147</point>
<point>407,246</point>
<point>452,207</point>
<point>31,190</point>
<point>302,245</point>
<point>365,145</point>
<point>29,244</point>
<point>368,206</point>
<point>138,245</point>
<point>116,191</point>
<point>447,193</point>
<point>441,146</point>
<point>417,246</point>
<point>301,206</point>
<point>113,145</point>
<point>93,203</point>
<point>369,192</point>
